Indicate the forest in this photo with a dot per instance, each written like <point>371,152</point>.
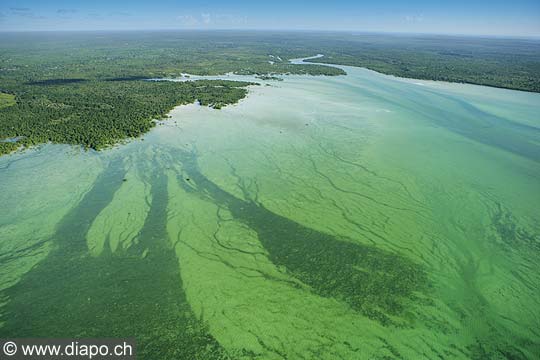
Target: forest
<point>91,88</point>
<point>96,114</point>
<point>6,100</point>
<point>505,63</point>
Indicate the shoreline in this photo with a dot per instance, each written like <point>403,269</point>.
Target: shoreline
<point>304,62</point>
<point>446,85</point>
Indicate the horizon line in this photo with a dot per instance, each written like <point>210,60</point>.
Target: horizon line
<point>500,36</point>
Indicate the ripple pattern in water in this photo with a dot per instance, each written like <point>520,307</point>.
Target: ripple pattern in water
<point>356,217</point>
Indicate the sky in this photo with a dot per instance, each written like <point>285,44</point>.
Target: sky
<point>482,17</point>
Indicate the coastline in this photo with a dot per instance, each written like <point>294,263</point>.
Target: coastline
<point>413,78</point>
<point>434,84</point>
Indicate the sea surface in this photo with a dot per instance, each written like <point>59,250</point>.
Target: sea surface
<point>353,217</point>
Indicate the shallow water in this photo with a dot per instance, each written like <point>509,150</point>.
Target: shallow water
<point>351,217</point>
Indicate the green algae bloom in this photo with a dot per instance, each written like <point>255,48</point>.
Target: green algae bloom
<point>354,217</point>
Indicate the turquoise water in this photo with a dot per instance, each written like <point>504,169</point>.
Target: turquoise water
<point>351,217</point>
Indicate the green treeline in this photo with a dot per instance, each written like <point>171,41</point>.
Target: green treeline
<point>505,63</point>
<point>96,114</point>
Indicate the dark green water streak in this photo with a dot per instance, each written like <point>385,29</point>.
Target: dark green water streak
<point>131,293</point>
<point>377,283</point>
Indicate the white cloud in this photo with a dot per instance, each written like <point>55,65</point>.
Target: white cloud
<point>206,18</point>
<point>209,20</point>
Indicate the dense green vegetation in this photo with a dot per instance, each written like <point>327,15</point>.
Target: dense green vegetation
<point>88,88</point>
<point>30,57</point>
<point>506,63</point>
<point>99,113</point>
<point>6,100</point>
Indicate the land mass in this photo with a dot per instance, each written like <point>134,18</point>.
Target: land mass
<point>89,88</point>
<point>504,63</point>
<point>96,114</point>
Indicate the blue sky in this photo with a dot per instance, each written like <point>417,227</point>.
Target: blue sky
<point>495,17</point>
